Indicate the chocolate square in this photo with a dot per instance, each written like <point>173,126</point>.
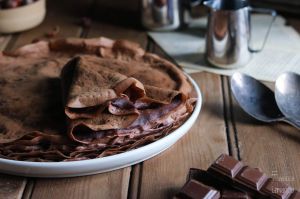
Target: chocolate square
<point>252,177</point>
<point>227,165</point>
<point>277,189</point>
<point>196,190</point>
<point>227,191</point>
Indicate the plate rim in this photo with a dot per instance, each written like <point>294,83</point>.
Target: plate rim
<point>67,164</point>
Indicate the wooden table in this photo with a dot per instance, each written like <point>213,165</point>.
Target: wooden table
<point>221,128</point>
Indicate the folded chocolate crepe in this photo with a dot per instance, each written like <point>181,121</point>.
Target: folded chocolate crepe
<point>74,99</point>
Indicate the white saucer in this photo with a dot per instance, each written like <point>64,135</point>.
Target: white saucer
<point>100,165</point>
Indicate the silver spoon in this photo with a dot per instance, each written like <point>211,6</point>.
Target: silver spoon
<point>256,99</point>
<point>287,95</point>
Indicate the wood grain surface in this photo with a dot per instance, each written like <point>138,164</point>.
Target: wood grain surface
<point>11,187</point>
<point>4,39</point>
<point>107,185</point>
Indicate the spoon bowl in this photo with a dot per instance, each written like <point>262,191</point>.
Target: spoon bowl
<point>255,98</point>
<point>259,101</point>
<point>287,94</point>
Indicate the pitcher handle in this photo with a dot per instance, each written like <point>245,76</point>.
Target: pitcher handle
<point>273,13</point>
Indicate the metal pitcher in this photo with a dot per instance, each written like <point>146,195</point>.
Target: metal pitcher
<point>228,32</point>
<point>162,15</point>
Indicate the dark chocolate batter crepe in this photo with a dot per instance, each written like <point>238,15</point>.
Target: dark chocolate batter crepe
<point>74,99</point>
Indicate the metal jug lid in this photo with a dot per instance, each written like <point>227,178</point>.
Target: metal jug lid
<point>226,4</point>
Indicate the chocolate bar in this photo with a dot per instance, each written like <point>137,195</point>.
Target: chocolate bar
<point>295,195</point>
<point>196,190</point>
<point>226,191</point>
<point>251,180</point>
<point>234,180</point>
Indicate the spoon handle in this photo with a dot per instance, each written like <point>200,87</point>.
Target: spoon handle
<point>293,123</point>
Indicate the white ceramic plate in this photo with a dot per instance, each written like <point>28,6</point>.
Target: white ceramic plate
<point>100,165</point>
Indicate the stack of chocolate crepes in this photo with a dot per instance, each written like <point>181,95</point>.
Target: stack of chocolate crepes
<point>75,99</point>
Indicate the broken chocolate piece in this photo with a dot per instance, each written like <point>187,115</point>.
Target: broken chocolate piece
<point>252,177</point>
<point>277,189</point>
<point>196,190</point>
<point>227,166</point>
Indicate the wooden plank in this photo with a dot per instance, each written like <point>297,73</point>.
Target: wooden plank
<point>272,147</point>
<point>10,186</point>
<point>231,135</point>
<point>134,185</point>
<point>96,186</point>
<point>163,175</point>
<point>4,39</point>
<point>28,189</point>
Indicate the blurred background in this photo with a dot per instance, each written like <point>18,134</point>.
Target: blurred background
<point>128,12</point>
